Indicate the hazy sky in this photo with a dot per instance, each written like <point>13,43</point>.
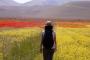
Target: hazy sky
<point>22,1</point>
<point>62,1</point>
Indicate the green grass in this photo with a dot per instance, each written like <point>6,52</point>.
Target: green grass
<point>20,44</point>
<point>24,44</point>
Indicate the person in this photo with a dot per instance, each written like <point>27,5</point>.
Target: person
<point>48,42</point>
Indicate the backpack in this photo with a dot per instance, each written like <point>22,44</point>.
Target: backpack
<point>48,39</point>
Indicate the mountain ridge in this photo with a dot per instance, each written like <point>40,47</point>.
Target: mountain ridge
<point>73,10</point>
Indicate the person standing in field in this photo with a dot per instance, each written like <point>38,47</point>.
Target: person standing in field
<point>48,42</point>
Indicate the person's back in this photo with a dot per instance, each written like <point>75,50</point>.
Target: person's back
<point>48,41</point>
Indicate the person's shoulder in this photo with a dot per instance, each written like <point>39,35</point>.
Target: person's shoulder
<point>54,32</point>
<point>43,32</point>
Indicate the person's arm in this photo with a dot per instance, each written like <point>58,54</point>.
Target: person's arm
<point>41,42</point>
<point>55,41</point>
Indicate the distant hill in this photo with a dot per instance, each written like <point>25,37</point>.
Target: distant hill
<point>71,10</point>
<point>77,10</point>
<point>43,2</point>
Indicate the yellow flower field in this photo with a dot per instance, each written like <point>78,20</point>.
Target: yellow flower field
<point>24,43</point>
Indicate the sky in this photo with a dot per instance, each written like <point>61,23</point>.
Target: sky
<point>22,1</point>
<point>62,1</point>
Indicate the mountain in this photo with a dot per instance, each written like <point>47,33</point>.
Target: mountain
<point>8,3</point>
<point>34,2</point>
<point>44,2</point>
<point>80,3</point>
<point>75,10</point>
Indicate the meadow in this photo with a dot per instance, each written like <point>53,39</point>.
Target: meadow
<point>24,43</point>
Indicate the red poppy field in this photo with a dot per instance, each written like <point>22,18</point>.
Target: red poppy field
<point>40,23</point>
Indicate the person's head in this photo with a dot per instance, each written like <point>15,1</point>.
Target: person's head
<point>49,25</point>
